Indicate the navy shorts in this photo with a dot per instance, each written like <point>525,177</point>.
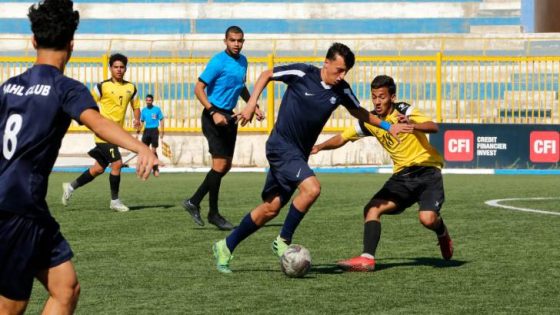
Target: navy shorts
<point>221,139</point>
<point>151,137</point>
<point>416,184</point>
<point>105,154</point>
<point>28,246</point>
<point>286,172</point>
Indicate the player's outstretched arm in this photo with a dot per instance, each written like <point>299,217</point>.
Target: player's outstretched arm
<point>426,127</point>
<point>334,142</point>
<point>393,129</point>
<point>113,133</point>
<point>245,95</point>
<point>247,114</point>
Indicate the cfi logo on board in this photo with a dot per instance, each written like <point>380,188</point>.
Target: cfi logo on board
<point>544,146</point>
<point>459,145</point>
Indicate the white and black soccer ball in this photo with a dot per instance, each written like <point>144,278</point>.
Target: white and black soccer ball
<point>296,261</point>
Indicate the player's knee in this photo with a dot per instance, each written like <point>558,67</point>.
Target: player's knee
<point>271,211</point>
<point>313,192</point>
<point>428,219</point>
<point>371,212</point>
<point>67,295</point>
<point>373,209</point>
<point>11,306</point>
<point>117,165</point>
<point>96,170</point>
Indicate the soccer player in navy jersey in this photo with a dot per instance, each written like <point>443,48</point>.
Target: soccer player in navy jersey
<point>218,89</point>
<point>36,109</point>
<point>312,95</point>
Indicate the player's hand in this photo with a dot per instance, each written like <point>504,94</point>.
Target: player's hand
<point>247,114</point>
<point>136,124</point>
<point>259,114</point>
<point>400,128</point>
<point>219,119</point>
<point>403,119</point>
<point>145,162</point>
<point>315,149</point>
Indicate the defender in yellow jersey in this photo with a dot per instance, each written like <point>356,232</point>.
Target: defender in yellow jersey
<point>416,172</point>
<point>113,96</point>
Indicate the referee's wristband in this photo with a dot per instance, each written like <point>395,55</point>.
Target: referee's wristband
<point>212,111</point>
<point>385,125</point>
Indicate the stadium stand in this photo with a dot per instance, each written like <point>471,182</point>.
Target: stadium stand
<point>294,27</point>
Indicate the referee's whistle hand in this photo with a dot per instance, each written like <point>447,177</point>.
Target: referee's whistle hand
<point>219,119</point>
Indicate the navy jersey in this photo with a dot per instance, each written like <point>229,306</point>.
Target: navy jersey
<point>36,109</point>
<point>306,106</point>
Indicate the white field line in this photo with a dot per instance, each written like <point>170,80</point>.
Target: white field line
<point>496,203</point>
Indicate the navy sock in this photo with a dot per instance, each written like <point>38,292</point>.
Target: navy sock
<point>291,223</point>
<point>83,179</point>
<point>245,228</point>
<point>114,182</point>
<point>372,234</point>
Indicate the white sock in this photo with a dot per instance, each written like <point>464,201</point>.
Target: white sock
<point>366,255</point>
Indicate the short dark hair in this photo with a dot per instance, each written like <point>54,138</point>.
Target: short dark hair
<point>384,81</point>
<point>344,52</point>
<point>234,29</point>
<point>53,23</point>
<point>118,57</point>
<point>150,96</point>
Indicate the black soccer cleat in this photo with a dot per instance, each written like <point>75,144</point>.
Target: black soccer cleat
<point>220,222</point>
<point>194,211</point>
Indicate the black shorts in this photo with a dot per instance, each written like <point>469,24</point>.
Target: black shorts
<point>28,246</point>
<point>421,184</point>
<point>105,154</point>
<point>221,139</point>
<point>151,137</point>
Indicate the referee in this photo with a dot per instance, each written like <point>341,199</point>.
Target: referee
<point>218,89</point>
<point>152,118</point>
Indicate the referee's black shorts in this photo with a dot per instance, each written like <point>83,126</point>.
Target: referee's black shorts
<point>151,137</point>
<point>221,139</point>
<point>415,184</point>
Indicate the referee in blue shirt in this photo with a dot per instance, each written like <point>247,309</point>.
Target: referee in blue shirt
<point>152,118</point>
<point>218,89</point>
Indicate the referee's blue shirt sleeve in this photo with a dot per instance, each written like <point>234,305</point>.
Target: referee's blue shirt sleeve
<point>212,71</point>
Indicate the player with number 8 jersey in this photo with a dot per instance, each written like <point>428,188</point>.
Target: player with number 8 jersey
<point>32,130</point>
<point>36,108</point>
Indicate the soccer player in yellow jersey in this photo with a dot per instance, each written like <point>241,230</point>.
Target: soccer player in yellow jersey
<point>416,172</point>
<point>113,96</point>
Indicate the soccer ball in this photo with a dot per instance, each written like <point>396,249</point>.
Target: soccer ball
<point>296,261</point>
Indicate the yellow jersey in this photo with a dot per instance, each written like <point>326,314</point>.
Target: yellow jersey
<point>414,149</point>
<point>113,99</point>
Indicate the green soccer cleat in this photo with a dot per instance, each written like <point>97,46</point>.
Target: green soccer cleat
<point>223,256</point>
<point>279,246</point>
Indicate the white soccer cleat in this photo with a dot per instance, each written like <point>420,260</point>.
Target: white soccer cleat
<point>67,191</point>
<point>118,206</point>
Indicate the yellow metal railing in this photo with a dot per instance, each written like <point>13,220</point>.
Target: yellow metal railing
<point>463,89</point>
